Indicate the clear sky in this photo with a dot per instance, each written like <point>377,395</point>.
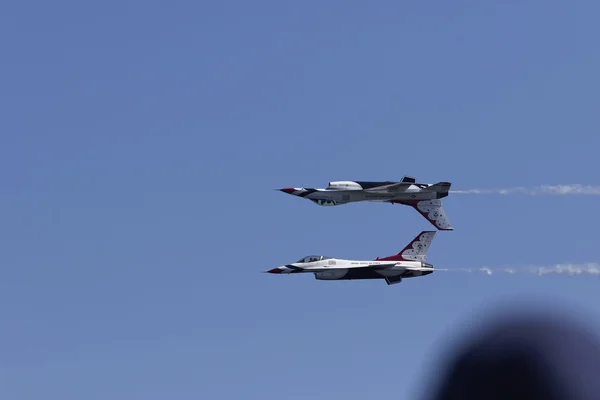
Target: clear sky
<point>140,143</point>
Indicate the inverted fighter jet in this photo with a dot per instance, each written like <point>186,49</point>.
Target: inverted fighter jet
<point>409,263</point>
<point>423,197</point>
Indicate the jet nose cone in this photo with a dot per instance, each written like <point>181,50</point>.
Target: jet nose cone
<point>275,271</point>
<point>287,190</point>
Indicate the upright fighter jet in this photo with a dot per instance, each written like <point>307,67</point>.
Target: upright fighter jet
<point>409,263</point>
<point>423,197</point>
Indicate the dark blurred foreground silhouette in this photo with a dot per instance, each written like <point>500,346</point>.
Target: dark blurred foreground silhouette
<point>523,355</point>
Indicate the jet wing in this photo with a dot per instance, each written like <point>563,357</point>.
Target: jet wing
<point>357,266</point>
<point>391,188</point>
<point>374,266</point>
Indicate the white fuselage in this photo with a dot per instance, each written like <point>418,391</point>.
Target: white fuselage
<point>335,196</point>
<point>333,269</point>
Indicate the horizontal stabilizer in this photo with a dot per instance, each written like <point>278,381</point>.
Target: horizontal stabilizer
<point>440,187</point>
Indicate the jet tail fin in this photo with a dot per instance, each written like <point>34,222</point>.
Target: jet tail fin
<point>408,179</point>
<point>416,250</point>
<point>433,211</point>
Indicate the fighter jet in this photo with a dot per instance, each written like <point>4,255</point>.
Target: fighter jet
<point>409,263</point>
<point>423,197</point>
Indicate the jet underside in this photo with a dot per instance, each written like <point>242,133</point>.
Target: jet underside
<point>425,198</point>
<point>336,197</point>
<point>370,273</point>
<point>391,273</point>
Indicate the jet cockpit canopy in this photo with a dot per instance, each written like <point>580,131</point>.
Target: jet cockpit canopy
<point>308,259</point>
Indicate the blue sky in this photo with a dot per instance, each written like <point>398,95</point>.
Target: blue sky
<point>140,143</point>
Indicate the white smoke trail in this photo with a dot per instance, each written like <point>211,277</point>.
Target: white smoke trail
<point>559,269</point>
<point>559,190</point>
